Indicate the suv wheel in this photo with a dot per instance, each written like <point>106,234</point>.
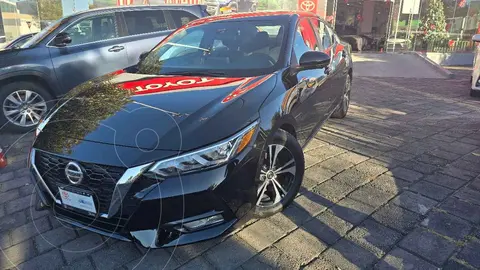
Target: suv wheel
<point>280,176</point>
<point>23,105</point>
<point>342,110</point>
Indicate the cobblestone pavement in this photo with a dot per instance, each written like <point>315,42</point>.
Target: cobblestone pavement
<point>394,185</point>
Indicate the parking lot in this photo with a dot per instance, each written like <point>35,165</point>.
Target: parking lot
<point>394,185</point>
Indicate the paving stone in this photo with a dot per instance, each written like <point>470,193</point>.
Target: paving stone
<point>312,203</point>
<point>458,148</point>
<point>458,173</point>
<point>311,246</point>
<point>271,258</point>
<point>469,195</point>
<point>444,154</point>
<point>15,183</point>
<point>18,204</point>
<point>185,253</point>
<point>428,245</point>
<point>388,183</point>
<point>195,264</point>
<point>326,152</point>
<point>316,175</point>
<point>470,254</point>
<point>445,180</point>
<point>336,164</point>
<point>333,190</point>
<point>406,174</point>
<point>414,202</point>
<point>9,196</point>
<point>313,144</point>
<point>455,265</point>
<point>371,196</point>
<point>79,265</point>
<point>386,162</point>
<point>12,221</point>
<point>466,165</point>
<point>152,259</point>
<point>347,255</point>
<point>54,238</point>
<point>353,157</point>
<point>352,211</point>
<point>14,255</point>
<point>420,167</point>
<point>255,235</point>
<point>398,155</point>
<point>2,211</point>
<point>444,138</point>
<point>431,191</point>
<point>29,230</point>
<point>82,247</point>
<point>320,264</point>
<point>397,218</point>
<point>230,254</point>
<point>401,259</point>
<point>47,261</point>
<point>374,237</point>
<point>433,160</point>
<point>6,176</point>
<point>27,190</point>
<point>296,214</point>
<point>447,225</point>
<point>33,214</point>
<point>115,255</point>
<point>327,227</point>
<point>22,172</point>
<point>283,222</point>
<point>462,209</point>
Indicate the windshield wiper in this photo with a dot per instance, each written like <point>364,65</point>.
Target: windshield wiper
<point>197,73</point>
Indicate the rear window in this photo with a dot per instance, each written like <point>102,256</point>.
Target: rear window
<point>181,17</point>
<point>141,22</point>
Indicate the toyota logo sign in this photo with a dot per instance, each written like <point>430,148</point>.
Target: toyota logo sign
<point>307,5</point>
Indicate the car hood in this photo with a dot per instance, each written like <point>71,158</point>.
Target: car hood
<point>148,112</point>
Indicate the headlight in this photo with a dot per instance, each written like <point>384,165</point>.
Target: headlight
<point>207,157</point>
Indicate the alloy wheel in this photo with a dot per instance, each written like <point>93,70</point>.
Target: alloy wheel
<point>276,176</point>
<point>24,108</point>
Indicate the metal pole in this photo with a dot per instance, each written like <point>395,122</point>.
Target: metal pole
<point>396,25</point>
<point>419,15</point>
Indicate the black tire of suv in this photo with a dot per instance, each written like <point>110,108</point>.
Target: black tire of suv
<point>342,110</point>
<point>21,85</point>
<point>286,139</point>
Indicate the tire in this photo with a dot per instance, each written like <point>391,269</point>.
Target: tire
<point>474,93</point>
<point>285,140</point>
<point>37,95</point>
<point>342,110</point>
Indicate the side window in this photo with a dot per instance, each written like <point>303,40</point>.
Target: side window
<point>324,34</point>
<point>181,17</point>
<point>305,39</point>
<point>141,22</point>
<point>92,29</point>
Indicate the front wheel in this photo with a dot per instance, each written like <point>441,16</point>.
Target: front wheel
<point>342,110</point>
<point>281,174</point>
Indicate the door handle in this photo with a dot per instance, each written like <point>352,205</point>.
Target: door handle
<point>116,48</point>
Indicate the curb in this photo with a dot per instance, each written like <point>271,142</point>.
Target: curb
<point>436,66</point>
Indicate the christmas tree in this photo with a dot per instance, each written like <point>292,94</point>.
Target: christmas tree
<point>433,22</point>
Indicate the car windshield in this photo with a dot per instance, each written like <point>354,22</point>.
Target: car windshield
<point>42,34</point>
<point>224,48</point>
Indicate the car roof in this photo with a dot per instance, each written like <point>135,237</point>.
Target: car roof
<point>132,7</point>
<point>256,14</point>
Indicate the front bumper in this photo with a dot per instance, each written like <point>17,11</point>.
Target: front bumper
<point>154,213</point>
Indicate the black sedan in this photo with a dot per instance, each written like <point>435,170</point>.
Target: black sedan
<point>208,127</point>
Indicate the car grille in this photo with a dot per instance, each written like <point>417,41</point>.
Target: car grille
<point>100,180</point>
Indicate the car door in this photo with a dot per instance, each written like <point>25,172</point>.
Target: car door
<point>94,50</point>
<point>329,45</point>
<point>310,92</point>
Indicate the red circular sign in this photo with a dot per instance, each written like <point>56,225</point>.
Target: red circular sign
<point>307,5</point>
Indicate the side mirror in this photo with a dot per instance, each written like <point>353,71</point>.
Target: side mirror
<point>62,40</point>
<point>314,59</point>
<point>476,38</point>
